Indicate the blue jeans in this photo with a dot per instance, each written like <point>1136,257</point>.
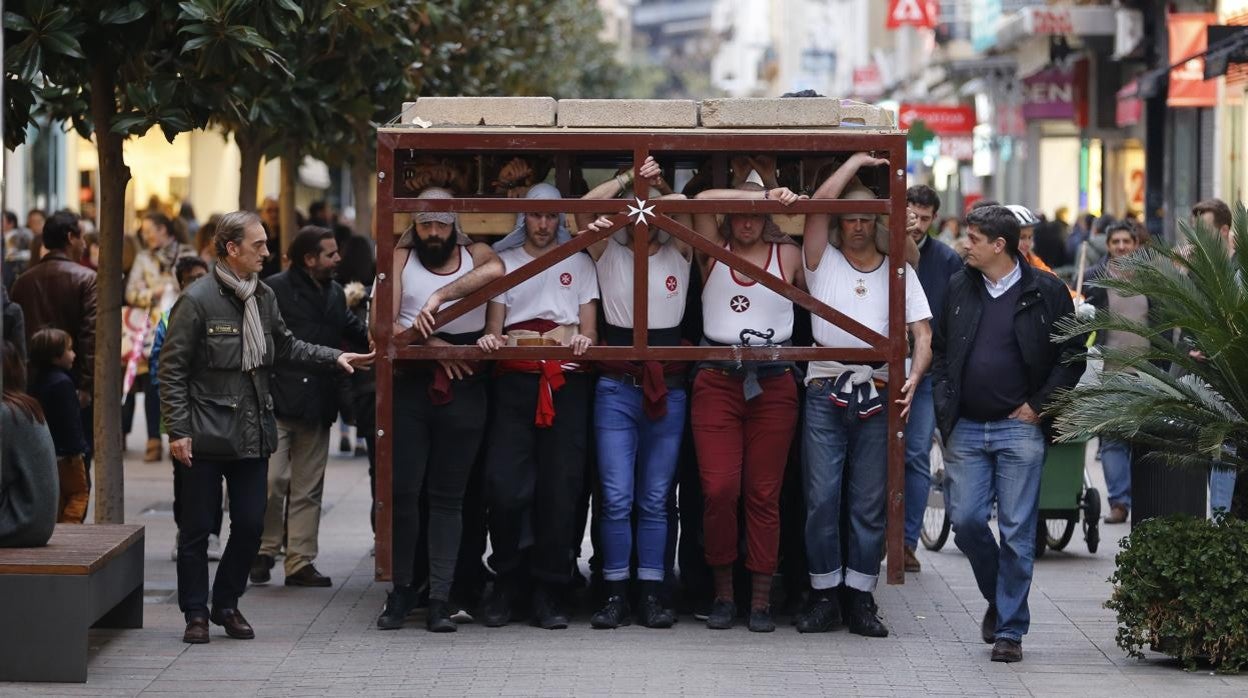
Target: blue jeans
<point>1000,460</point>
<point>1116,462</point>
<point>919,430</point>
<point>637,465</point>
<point>1221,488</point>
<point>840,448</point>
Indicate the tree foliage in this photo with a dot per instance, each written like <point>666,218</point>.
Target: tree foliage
<point>1183,408</point>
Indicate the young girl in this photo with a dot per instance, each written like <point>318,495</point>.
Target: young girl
<point>51,356</point>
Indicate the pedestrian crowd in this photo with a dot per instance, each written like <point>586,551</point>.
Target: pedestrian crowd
<point>730,471</point>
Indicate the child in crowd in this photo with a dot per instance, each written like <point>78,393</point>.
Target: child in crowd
<point>51,358</point>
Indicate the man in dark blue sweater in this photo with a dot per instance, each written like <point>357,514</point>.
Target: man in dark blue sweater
<point>937,262</point>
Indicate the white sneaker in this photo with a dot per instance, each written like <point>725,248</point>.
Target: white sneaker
<point>214,547</point>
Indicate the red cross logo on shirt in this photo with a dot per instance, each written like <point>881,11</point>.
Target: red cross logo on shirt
<point>671,284</point>
<point>739,304</point>
<point>565,278</point>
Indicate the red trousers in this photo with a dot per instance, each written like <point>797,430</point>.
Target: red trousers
<point>742,451</point>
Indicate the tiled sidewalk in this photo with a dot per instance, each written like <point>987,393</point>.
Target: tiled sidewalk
<point>323,641</point>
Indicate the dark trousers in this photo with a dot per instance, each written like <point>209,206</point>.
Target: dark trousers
<point>178,468</point>
<point>434,450</point>
<point>537,474</point>
<point>151,407</point>
<point>200,503</point>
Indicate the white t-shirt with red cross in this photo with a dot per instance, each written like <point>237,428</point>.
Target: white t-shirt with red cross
<point>556,294</point>
<point>862,296</point>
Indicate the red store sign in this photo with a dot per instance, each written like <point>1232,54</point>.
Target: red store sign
<point>941,120</point>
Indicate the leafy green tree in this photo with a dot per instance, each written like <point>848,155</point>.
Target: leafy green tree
<point>113,69</point>
<point>1193,412</point>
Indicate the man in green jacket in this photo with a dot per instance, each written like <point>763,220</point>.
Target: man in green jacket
<point>225,335</point>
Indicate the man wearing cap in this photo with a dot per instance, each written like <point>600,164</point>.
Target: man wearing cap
<point>744,416</point>
<point>994,370</point>
<point>535,462</point>
<point>937,263</point>
<point>846,441</point>
<point>438,406</point>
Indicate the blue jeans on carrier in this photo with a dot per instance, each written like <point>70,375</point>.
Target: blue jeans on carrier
<point>1000,461</point>
<point>838,447</point>
<point>1116,463</point>
<point>919,430</point>
<point>637,465</point>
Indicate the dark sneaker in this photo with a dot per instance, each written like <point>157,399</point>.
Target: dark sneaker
<point>496,611</point>
<point>548,613</point>
<point>823,614</point>
<point>399,602</point>
<point>1008,651</point>
<point>723,612</point>
<point>438,617</point>
<point>702,610</point>
<point>652,614</point>
<point>988,626</point>
<point>308,576</point>
<point>912,563</point>
<point>612,615</point>
<point>760,620</point>
<point>864,616</point>
<point>261,570</point>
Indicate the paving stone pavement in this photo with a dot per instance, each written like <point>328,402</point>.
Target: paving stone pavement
<point>313,642</point>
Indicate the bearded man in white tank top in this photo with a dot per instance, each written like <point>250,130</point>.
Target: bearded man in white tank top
<point>439,407</point>
<point>844,445</point>
<point>744,416</point>
<point>639,416</point>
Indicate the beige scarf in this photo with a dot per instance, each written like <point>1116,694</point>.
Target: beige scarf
<point>253,331</point>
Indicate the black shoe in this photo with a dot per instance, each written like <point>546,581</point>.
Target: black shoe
<point>988,626</point>
<point>344,445</point>
<point>438,617</point>
<point>863,615</point>
<point>723,613</point>
<point>612,615</point>
<point>548,613</point>
<point>651,612</point>
<point>260,569</point>
<point>308,576</point>
<point>823,614</point>
<point>1008,651</point>
<point>760,620</point>
<point>361,451</point>
<point>399,602</point>
<point>496,611</point>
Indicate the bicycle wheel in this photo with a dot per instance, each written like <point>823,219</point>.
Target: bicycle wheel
<point>935,531</point>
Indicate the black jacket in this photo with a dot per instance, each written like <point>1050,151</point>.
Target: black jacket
<point>316,314</point>
<point>204,393</point>
<point>1048,365</point>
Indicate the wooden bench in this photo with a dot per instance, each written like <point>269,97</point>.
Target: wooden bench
<point>87,576</point>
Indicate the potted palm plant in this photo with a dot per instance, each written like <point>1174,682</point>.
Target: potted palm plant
<point>1181,398</point>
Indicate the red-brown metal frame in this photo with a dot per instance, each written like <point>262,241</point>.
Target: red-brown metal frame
<point>392,349</point>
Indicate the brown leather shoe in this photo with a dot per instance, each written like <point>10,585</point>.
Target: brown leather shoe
<point>308,576</point>
<point>912,562</point>
<point>196,631</point>
<point>155,451</point>
<point>1117,514</point>
<point>236,626</point>
<point>1008,651</point>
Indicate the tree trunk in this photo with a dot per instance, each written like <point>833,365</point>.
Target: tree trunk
<point>363,175</point>
<point>290,172</point>
<point>110,494</point>
<point>251,151</point>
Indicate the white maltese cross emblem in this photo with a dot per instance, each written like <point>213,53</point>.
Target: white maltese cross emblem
<point>639,212</point>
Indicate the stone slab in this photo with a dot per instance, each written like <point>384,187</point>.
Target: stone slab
<point>628,113</point>
<point>794,112</point>
<point>866,115</point>
<point>482,111</point>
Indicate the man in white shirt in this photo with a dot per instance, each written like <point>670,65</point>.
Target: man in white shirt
<point>535,460</point>
<point>846,441</point>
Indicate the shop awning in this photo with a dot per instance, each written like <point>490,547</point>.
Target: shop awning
<point>1229,47</point>
<point>1037,21</point>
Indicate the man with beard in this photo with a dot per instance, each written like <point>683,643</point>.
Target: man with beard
<point>224,337</point>
<point>536,459</point>
<point>846,443</point>
<point>439,407</point>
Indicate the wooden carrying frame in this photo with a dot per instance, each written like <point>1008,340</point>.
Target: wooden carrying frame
<point>717,144</point>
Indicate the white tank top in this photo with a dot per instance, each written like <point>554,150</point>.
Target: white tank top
<point>730,305</point>
<point>419,283</point>
<point>668,287</point>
